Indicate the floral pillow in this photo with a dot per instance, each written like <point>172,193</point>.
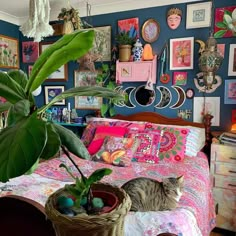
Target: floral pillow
<point>117,151</point>
<point>148,150</point>
<point>173,142</point>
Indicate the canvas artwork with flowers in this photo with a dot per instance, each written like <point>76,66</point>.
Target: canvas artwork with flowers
<point>30,51</point>
<point>225,22</point>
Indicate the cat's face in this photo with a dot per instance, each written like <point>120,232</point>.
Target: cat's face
<point>174,187</point>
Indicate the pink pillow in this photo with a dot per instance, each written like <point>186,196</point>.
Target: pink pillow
<point>117,151</point>
<point>173,142</point>
<point>148,150</point>
<point>100,133</point>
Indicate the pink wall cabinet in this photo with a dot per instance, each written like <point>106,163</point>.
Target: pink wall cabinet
<point>137,71</point>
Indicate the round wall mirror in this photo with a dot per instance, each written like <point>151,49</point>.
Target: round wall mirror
<point>144,97</point>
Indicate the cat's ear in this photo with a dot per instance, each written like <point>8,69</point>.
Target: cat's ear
<point>180,179</point>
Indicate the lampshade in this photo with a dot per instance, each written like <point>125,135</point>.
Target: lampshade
<point>210,61</point>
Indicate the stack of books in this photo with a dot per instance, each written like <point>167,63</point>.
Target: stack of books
<point>228,138</point>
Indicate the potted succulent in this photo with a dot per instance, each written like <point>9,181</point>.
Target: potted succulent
<point>125,40</point>
<point>28,137</point>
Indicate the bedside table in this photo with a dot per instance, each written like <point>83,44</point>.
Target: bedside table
<point>223,171</point>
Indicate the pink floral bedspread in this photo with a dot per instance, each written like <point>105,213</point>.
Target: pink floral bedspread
<point>194,216</point>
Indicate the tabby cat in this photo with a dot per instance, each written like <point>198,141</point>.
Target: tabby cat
<point>151,195</point>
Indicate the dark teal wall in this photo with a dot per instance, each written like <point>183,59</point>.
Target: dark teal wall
<point>159,14</point>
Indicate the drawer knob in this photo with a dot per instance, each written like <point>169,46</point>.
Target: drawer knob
<point>232,171</point>
<point>232,185</point>
<point>232,158</point>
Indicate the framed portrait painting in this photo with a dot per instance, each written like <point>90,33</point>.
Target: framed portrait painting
<point>181,53</point>
<point>232,60</point>
<point>61,74</point>
<point>51,91</point>
<point>198,15</point>
<point>10,52</point>
<point>85,78</point>
<point>230,91</point>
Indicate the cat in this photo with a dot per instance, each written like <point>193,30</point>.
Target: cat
<point>151,195</point>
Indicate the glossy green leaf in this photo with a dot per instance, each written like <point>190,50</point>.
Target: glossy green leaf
<point>5,106</point>
<point>97,175</point>
<point>220,33</point>
<point>18,157</point>
<point>62,165</point>
<point>19,76</point>
<point>18,111</point>
<point>69,47</point>
<point>221,25</point>
<point>71,142</point>
<point>53,143</point>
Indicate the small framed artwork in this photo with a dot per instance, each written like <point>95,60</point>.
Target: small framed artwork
<point>30,67</point>
<point>181,53</point>
<point>189,93</point>
<point>102,43</point>
<point>233,116</point>
<point>51,91</point>
<point>224,22</point>
<point>150,30</point>
<point>221,49</point>
<point>30,51</point>
<point>85,78</point>
<point>61,74</point>
<point>130,25</point>
<point>230,91</point>
<point>10,56</point>
<point>232,60</point>
<point>198,15</point>
<point>180,78</point>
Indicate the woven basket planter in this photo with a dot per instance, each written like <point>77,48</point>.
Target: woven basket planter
<point>107,224</point>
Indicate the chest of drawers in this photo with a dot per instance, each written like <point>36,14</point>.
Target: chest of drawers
<point>223,171</point>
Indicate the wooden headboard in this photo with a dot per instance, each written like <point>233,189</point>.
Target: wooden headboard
<point>160,119</point>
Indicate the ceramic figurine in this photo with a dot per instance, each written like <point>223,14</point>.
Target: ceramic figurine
<point>174,16</point>
<point>137,51</point>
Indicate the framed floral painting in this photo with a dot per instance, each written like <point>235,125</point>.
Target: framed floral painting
<point>181,53</point>
<point>9,48</point>
<point>224,22</point>
<point>30,51</point>
<point>130,25</point>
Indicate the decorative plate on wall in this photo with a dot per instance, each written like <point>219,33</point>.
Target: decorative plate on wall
<point>150,30</point>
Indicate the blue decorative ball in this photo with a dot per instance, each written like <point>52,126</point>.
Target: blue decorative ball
<point>65,202</point>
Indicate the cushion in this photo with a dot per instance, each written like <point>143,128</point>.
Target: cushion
<point>100,134</point>
<point>148,149</point>
<point>173,142</point>
<point>117,151</point>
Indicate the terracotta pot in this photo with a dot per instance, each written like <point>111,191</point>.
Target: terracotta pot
<point>124,53</point>
<point>110,200</point>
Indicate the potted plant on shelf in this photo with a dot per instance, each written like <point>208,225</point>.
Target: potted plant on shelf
<point>28,137</point>
<point>125,40</point>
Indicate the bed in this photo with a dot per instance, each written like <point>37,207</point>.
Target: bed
<point>194,216</point>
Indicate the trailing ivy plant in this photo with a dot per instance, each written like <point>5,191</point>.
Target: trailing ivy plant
<point>27,137</point>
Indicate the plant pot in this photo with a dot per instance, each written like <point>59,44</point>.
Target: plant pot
<point>124,53</point>
<point>106,224</point>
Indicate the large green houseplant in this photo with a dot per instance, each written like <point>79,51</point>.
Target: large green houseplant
<point>27,136</point>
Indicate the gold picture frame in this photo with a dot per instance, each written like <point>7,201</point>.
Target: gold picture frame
<point>9,52</point>
<point>150,30</point>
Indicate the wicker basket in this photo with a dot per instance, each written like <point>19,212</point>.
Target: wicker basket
<point>107,224</point>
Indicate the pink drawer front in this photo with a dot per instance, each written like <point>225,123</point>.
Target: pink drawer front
<point>223,153</point>
<point>226,182</point>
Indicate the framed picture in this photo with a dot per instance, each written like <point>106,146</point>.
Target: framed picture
<point>181,53</point>
<point>84,78</point>
<point>130,25</point>
<point>51,91</point>
<point>223,25</point>
<point>198,15</point>
<point>180,78</point>
<point>30,51</point>
<point>30,67</point>
<point>206,105</point>
<point>10,52</point>
<point>102,43</point>
<point>150,30</point>
<point>232,60</point>
<point>230,91</point>
<point>189,93</point>
<point>62,73</point>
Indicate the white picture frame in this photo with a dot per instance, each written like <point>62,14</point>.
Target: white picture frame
<point>206,105</point>
<point>198,15</point>
<point>232,60</point>
<point>181,53</point>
